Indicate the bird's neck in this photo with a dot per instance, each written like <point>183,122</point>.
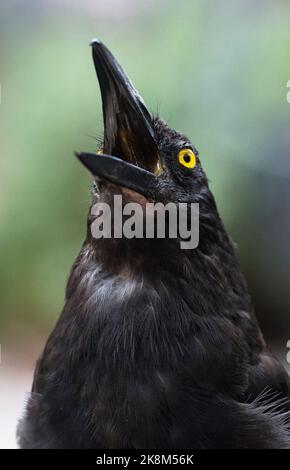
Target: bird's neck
<point>122,271</point>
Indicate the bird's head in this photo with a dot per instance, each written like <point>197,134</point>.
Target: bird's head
<point>141,157</point>
<point>140,152</point>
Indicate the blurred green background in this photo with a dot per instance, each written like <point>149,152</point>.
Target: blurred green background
<point>215,70</point>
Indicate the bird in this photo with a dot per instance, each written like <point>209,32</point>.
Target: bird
<point>157,347</point>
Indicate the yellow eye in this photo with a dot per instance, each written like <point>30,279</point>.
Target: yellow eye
<point>187,158</point>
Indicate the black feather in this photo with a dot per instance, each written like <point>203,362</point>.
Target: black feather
<point>158,347</point>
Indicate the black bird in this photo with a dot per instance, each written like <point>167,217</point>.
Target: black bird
<point>156,346</point>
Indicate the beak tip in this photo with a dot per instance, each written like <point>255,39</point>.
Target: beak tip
<point>86,159</point>
<point>79,156</point>
<point>95,43</point>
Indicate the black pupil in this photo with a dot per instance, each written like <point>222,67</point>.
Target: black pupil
<point>186,158</point>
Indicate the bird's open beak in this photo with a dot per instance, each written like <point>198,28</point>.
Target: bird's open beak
<point>129,156</point>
